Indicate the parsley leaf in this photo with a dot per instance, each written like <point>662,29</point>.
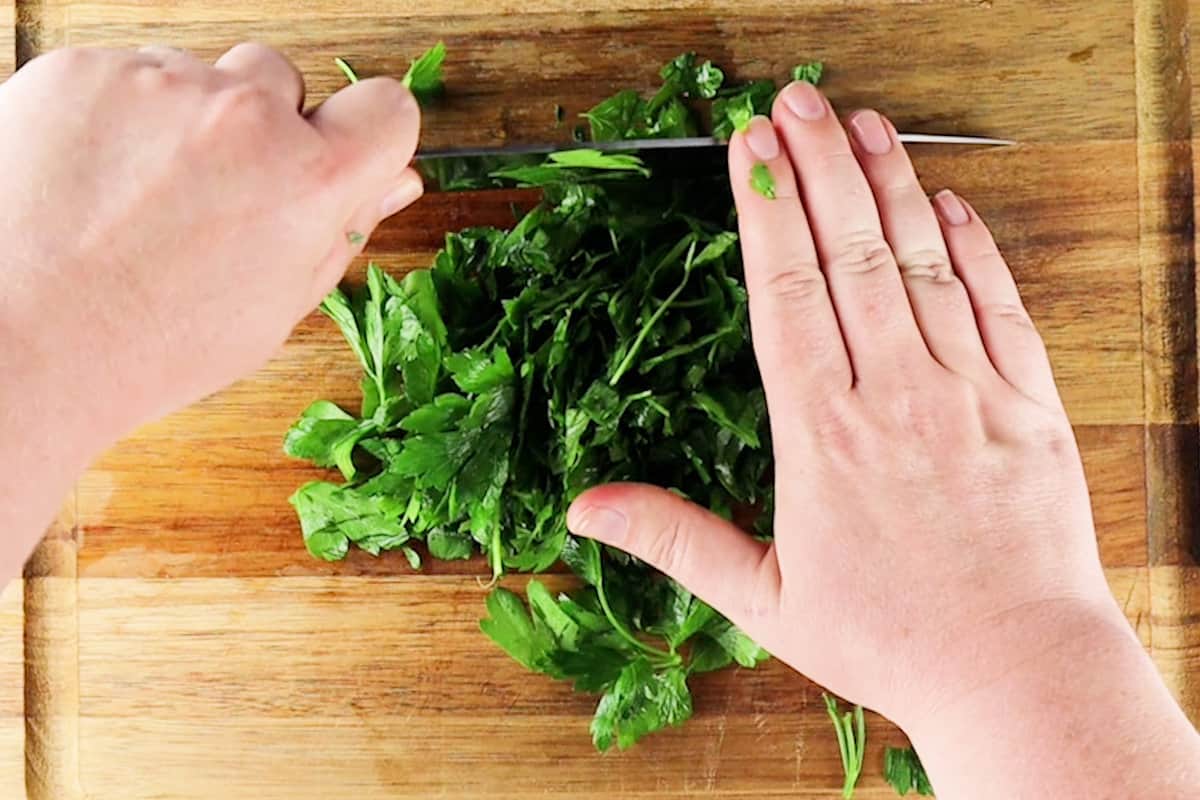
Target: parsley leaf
<point>331,517</point>
<point>809,73</point>
<point>424,76</point>
<point>902,769</point>
<point>733,109</point>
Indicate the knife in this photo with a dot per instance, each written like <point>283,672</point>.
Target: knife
<point>626,145</point>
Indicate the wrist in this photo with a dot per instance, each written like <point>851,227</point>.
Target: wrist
<point>1014,649</point>
<point>1078,682</point>
<point>53,423</point>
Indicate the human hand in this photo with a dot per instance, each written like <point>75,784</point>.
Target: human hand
<point>932,523</point>
<point>167,223</point>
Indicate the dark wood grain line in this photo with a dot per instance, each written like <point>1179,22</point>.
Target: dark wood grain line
<point>52,663</point>
<point>30,14</point>
<point>1167,262</point>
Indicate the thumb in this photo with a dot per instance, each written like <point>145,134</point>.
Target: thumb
<point>717,561</point>
<point>373,127</point>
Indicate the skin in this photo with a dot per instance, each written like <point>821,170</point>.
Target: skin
<point>935,556</point>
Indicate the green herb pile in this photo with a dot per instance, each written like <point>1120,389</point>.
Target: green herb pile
<point>604,337</point>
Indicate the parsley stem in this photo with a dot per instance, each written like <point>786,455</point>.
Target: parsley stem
<point>624,632</point>
<point>346,70</point>
<point>627,362</point>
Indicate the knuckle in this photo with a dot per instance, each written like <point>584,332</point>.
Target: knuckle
<point>1011,313</point>
<point>153,80</point>
<point>927,265</point>
<point>244,103</point>
<point>986,261</point>
<point>797,281</point>
<point>839,429</point>
<point>667,547</point>
<point>862,254</point>
<point>952,399</point>
<point>254,50</point>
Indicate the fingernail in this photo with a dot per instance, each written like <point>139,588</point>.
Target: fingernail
<point>407,191</point>
<point>804,100</point>
<point>762,139</point>
<point>950,208</point>
<point>597,522</point>
<point>869,131</point>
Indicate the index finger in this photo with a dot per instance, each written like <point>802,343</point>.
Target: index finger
<point>796,336</point>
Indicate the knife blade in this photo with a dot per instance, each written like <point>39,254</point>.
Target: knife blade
<point>627,145</point>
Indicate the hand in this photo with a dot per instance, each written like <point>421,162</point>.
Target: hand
<point>927,482</point>
<point>167,223</point>
<point>934,545</point>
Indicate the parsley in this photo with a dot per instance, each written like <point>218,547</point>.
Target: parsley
<point>902,769</point>
<point>762,181</point>
<point>347,70</point>
<point>424,76</point>
<point>809,73</point>
<point>733,109</point>
<point>851,729</point>
<point>604,336</point>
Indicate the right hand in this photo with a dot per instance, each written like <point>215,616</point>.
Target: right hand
<point>167,222</point>
<point>932,523</point>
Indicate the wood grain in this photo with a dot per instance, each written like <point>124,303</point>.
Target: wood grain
<point>1175,632</point>
<point>12,691</point>
<point>385,688</point>
<point>1168,269</point>
<point>8,37</point>
<point>506,72</point>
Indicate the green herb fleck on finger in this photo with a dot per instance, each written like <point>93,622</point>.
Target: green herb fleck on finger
<point>355,238</point>
<point>762,181</point>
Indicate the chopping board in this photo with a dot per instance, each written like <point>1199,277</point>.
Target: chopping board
<point>179,642</point>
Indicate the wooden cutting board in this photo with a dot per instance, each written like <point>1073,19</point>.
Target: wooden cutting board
<point>179,641</point>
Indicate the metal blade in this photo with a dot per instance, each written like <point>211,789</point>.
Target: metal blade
<point>626,145</point>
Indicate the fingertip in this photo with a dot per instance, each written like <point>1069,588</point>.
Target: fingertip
<point>759,167</point>
<point>408,190</point>
<point>951,209</point>
<point>802,100</point>
<point>372,121</point>
<point>870,132</point>
<point>761,139</point>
